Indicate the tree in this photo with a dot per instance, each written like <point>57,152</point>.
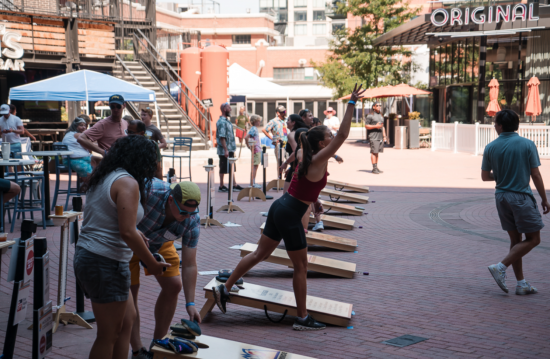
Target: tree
<point>353,58</point>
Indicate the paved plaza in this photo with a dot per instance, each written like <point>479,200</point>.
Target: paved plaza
<point>426,239</point>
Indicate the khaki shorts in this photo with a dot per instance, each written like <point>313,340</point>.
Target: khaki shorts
<point>257,158</point>
<point>518,212</point>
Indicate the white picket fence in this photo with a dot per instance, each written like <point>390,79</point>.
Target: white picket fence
<point>472,139</point>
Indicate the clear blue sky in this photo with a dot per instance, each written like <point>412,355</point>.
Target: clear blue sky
<point>226,6</point>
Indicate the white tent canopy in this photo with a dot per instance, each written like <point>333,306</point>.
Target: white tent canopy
<point>244,83</point>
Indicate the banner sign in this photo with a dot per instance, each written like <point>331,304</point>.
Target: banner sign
<point>485,14</point>
<point>45,330</point>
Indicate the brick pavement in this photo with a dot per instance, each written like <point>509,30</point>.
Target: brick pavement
<point>426,242</point>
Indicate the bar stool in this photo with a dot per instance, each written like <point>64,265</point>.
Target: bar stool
<point>22,205</point>
<point>181,142</point>
<point>60,165</point>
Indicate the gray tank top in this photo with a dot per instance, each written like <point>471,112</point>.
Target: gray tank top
<point>100,232</point>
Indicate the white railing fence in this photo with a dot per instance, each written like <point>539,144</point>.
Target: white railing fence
<point>472,139</point>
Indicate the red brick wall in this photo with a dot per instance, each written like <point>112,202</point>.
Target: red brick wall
<point>42,5</point>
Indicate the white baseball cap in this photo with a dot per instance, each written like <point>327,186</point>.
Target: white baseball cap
<point>4,109</point>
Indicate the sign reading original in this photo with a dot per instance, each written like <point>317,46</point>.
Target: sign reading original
<point>485,14</point>
<point>12,50</point>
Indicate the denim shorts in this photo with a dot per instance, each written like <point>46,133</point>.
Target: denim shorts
<point>518,212</point>
<point>102,279</point>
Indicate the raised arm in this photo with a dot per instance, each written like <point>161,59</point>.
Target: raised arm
<point>326,153</point>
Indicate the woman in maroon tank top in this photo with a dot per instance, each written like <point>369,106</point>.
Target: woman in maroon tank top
<point>284,220</point>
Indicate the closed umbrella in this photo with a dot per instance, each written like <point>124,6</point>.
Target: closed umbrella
<point>493,107</point>
<point>533,99</point>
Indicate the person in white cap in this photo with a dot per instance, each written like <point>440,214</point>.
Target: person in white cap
<point>332,122</point>
<point>12,128</point>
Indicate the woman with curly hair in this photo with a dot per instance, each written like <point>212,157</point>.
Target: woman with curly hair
<point>115,195</point>
<point>318,145</point>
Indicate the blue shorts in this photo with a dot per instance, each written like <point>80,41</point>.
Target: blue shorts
<point>82,166</point>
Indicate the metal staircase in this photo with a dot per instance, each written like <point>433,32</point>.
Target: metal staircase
<point>173,121</point>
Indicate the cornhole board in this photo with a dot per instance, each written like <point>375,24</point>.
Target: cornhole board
<point>315,263</point>
<point>257,296</point>
<point>335,196</point>
<point>339,186</point>
<point>327,240</point>
<point>226,349</point>
<point>342,208</point>
<point>334,222</point>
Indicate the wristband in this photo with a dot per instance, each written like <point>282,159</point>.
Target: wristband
<point>189,304</point>
<point>351,102</point>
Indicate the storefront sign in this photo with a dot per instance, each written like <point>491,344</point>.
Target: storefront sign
<point>12,50</point>
<point>485,14</point>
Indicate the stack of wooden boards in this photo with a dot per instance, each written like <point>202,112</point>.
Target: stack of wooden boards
<point>323,310</point>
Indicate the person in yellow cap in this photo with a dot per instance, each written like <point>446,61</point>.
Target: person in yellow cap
<point>172,211</point>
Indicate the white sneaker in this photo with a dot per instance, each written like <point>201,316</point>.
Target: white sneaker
<point>256,186</point>
<point>319,227</point>
<point>499,276</point>
<point>528,289</point>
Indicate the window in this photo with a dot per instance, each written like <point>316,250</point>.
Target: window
<point>319,15</point>
<point>271,111</point>
<point>338,27</point>
<point>319,29</point>
<point>298,73</point>
<point>241,39</point>
<point>250,107</point>
<point>300,3</point>
<point>300,15</point>
<point>298,107</point>
<point>300,29</point>
<point>319,3</point>
<point>321,108</point>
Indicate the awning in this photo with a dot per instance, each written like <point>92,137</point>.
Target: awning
<point>245,83</point>
<point>169,28</point>
<point>83,85</point>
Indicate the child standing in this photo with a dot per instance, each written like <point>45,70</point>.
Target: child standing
<point>254,135</point>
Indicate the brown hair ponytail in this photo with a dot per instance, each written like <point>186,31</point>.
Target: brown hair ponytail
<point>309,142</point>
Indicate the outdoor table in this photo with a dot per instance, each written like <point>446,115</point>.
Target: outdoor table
<point>41,132</point>
<point>46,157</point>
<point>4,163</point>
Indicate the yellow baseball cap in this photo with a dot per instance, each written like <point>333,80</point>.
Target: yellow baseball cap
<point>186,191</point>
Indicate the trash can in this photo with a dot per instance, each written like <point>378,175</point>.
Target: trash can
<point>413,131</point>
<point>400,137</point>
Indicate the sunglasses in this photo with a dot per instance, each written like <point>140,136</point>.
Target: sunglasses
<point>131,132</point>
<point>184,212</point>
<point>115,106</point>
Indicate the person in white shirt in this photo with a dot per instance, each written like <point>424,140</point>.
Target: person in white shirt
<point>12,128</point>
<point>82,160</point>
<point>332,122</point>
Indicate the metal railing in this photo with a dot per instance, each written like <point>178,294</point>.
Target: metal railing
<point>474,138</point>
<point>157,65</point>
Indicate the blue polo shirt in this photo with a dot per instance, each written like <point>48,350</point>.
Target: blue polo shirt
<point>511,158</point>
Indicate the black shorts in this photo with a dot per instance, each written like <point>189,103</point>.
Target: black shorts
<point>224,164</point>
<point>284,221</point>
<point>289,175</point>
<point>376,146</point>
<point>4,185</point>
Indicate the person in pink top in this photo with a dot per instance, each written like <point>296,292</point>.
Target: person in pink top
<point>106,131</point>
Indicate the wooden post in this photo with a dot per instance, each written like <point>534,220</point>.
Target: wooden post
<point>72,61</point>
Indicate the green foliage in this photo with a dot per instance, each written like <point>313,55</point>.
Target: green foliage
<point>353,58</point>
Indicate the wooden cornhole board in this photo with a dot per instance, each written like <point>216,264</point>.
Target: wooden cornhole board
<point>341,208</point>
<point>348,186</point>
<point>256,296</point>
<point>327,240</point>
<point>338,195</point>
<point>315,263</point>
<point>334,222</point>
<point>226,349</point>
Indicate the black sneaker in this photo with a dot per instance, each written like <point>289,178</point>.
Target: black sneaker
<point>223,189</point>
<point>220,297</point>
<point>308,324</point>
<point>375,171</point>
<point>237,188</point>
<point>379,170</point>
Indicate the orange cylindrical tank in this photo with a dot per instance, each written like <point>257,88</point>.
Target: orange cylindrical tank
<point>215,80</point>
<point>190,67</point>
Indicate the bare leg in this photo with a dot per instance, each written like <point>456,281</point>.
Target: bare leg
<point>135,338</point>
<point>521,249</point>
<point>109,320</point>
<point>299,279</point>
<point>285,187</point>
<point>254,171</point>
<point>167,303</point>
<point>12,192</point>
<point>305,218</point>
<point>374,158</point>
<point>266,246</point>
<point>317,216</point>
<point>515,238</point>
<point>123,343</point>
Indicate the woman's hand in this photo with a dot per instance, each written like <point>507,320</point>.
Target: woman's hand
<point>157,268</point>
<point>356,94</point>
<point>338,159</point>
<point>193,314</point>
<point>318,207</point>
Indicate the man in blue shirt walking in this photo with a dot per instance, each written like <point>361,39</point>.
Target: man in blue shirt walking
<point>514,160</point>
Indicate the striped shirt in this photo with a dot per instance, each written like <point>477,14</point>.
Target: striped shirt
<point>155,213</point>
